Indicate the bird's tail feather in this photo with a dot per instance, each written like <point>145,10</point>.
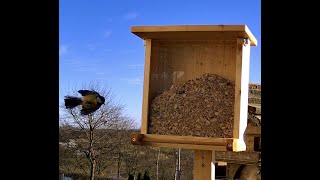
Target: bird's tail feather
<point>71,102</point>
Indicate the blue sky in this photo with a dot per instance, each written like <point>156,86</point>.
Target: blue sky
<point>95,42</point>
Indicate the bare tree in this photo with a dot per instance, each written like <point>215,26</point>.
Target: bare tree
<point>120,142</point>
<point>97,128</point>
<point>131,154</point>
<point>132,158</point>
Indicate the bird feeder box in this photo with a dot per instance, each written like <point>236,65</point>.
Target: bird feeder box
<point>195,91</point>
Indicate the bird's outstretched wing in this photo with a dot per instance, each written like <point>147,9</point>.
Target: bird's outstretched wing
<point>86,92</point>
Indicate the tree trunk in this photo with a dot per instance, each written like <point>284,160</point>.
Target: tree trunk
<point>119,156</point>
<point>92,169</point>
<point>92,155</point>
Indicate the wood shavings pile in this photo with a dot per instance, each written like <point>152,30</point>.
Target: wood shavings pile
<point>200,107</point>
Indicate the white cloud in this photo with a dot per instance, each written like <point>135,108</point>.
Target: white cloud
<point>130,15</point>
<point>62,50</point>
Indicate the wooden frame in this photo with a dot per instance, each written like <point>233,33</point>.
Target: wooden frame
<point>233,64</point>
<point>187,142</point>
<point>194,32</point>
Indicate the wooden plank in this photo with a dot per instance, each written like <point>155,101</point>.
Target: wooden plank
<point>204,165</point>
<point>211,41</point>
<point>194,32</point>
<point>185,146</point>
<point>238,145</point>
<point>184,140</point>
<point>179,28</point>
<point>193,35</point>
<point>245,61</point>
<point>146,81</point>
<point>241,92</point>
<point>244,94</point>
<point>243,156</point>
<point>252,40</point>
<point>241,162</point>
<point>221,163</point>
<point>236,125</point>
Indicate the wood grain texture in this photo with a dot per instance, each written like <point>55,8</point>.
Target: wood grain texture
<point>204,165</point>
<point>146,87</point>
<point>194,32</point>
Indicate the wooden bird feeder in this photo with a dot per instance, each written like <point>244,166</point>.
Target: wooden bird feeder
<point>177,54</point>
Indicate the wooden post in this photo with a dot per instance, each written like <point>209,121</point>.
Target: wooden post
<point>146,82</point>
<point>204,165</point>
<point>241,99</point>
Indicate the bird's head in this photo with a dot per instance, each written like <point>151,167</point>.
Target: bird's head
<point>100,99</point>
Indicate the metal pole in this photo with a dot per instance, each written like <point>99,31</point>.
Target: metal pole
<point>179,168</point>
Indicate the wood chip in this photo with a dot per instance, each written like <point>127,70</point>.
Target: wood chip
<point>200,107</point>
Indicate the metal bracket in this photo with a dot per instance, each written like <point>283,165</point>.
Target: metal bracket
<point>136,139</point>
<point>246,41</point>
<point>229,145</point>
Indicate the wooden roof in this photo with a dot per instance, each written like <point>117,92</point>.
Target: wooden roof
<point>194,32</point>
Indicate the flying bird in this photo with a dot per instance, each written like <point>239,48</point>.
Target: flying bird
<point>90,101</point>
